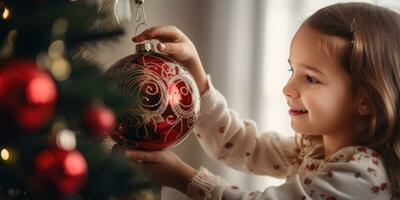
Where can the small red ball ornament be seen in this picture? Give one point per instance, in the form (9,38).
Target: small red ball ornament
(64,171)
(100,120)
(27,94)
(167,100)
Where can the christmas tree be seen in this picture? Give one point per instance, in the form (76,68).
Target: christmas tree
(57,105)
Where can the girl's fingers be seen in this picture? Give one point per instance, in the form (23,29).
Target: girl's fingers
(142,156)
(117,147)
(174,49)
(161,33)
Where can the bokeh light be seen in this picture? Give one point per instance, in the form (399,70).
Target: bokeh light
(74,164)
(41,90)
(6,13)
(5,154)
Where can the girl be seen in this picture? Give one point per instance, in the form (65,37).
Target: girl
(344,106)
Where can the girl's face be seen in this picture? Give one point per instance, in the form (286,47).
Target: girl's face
(319,92)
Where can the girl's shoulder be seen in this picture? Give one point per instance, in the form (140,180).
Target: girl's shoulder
(356,160)
(348,167)
(355,154)
(359,162)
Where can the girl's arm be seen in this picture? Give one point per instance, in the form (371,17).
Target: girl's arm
(354,176)
(351,174)
(234,141)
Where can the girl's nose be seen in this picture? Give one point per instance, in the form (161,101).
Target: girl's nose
(289,91)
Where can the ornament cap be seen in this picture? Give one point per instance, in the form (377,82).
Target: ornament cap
(146,47)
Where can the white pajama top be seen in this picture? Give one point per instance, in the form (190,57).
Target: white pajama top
(353,172)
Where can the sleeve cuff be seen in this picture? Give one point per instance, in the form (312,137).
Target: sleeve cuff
(209,98)
(107,144)
(206,185)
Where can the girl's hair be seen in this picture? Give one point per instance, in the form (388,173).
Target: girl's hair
(369,51)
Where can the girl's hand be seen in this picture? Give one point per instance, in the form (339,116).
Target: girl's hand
(178,45)
(164,167)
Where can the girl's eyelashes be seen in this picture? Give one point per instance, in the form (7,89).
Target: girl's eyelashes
(309,78)
(312,80)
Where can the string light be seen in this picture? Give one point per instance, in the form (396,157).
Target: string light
(60,27)
(58,65)
(61,69)
(6,13)
(5,155)
(66,140)
(56,49)
(43,60)
(7,49)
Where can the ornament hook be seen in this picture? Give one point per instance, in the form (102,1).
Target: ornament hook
(140,16)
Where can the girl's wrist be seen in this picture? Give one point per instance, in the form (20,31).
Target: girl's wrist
(203,85)
(196,69)
(187,176)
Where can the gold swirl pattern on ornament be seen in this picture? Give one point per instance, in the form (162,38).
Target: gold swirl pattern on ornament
(173,77)
(181,109)
(135,118)
(149,86)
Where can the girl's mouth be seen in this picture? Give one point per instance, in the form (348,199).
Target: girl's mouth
(297,112)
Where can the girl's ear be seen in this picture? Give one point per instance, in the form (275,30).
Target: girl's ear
(363,108)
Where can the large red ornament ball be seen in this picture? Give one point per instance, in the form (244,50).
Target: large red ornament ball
(99,120)
(59,172)
(27,95)
(167,100)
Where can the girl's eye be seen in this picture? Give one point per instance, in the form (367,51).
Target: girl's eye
(312,79)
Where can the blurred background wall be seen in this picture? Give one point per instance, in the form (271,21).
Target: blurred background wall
(244,46)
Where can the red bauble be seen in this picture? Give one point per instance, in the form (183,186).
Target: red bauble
(59,172)
(168,101)
(99,120)
(27,94)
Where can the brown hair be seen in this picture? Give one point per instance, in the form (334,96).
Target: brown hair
(372,59)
